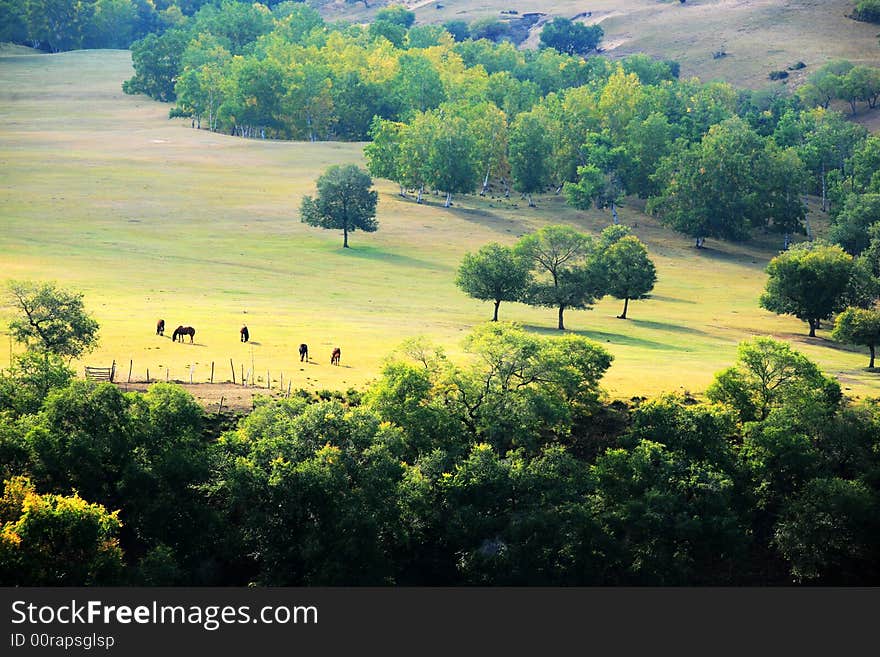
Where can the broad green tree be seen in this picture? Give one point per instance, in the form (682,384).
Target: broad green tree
(858,326)
(51,320)
(571,38)
(811,281)
(769,374)
(345,201)
(494,273)
(628,271)
(565,278)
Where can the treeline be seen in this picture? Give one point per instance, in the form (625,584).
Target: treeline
(460,116)
(510,469)
(57,25)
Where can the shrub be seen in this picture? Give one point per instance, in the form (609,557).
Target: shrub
(867,11)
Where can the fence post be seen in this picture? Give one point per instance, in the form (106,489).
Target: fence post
(233,371)
(130,365)
(268,381)
(212,371)
(148,375)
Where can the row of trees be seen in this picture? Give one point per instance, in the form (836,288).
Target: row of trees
(507,469)
(57,25)
(842,80)
(560,268)
(474,115)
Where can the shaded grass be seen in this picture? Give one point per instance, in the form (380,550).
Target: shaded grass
(150,219)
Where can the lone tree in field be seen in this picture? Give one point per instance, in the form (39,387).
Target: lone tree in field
(344,201)
(494,273)
(571,38)
(567,280)
(858,326)
(813,281)
(51,320)
(628,271)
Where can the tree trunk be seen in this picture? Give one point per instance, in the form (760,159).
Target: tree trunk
(419,197)
(402,192)
(614,218)
(561,326)
(486,181)
(871,364)
(498,303)
(824,190)
(812,327)
(625,306)
(699,242)
(448,200)
(345,237)
(531,204)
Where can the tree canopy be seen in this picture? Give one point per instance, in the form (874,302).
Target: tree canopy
(345,201)
(51,320)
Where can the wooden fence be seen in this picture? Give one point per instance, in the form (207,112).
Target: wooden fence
(101,373)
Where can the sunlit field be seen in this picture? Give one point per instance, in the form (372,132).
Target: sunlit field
(151,219)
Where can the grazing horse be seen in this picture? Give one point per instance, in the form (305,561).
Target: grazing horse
(245,336)
(160,327)
(335,356)
(304,352)
(180,331)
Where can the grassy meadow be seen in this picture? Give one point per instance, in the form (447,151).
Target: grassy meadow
(758,36)
(150,218)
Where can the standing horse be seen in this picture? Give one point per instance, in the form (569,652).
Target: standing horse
(160,327)
(335,356)
(245,335)
(304,352)
(180,331)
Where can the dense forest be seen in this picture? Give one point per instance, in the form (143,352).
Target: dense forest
(458,114)
(509,468)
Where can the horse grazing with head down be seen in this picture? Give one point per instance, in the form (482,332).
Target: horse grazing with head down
(304,352)
(180,331)
(160,327)
(335,356)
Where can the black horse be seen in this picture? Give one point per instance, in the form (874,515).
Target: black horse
(304,352)
(180,331)
(245,335)
(160,327)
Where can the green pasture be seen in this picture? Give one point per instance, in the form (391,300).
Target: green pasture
(150,218)
(758,36)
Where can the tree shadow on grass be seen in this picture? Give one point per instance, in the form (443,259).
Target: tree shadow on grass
(665,299)
(665,326)
(604,337)
(374,253)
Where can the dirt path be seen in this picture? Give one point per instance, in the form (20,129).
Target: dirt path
(235,397)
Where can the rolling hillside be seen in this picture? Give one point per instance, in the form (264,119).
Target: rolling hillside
(150,218)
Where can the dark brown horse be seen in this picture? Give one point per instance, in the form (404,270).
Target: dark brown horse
(335,356)
(160,327)
(304,352)
(245,335)
(180,331)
